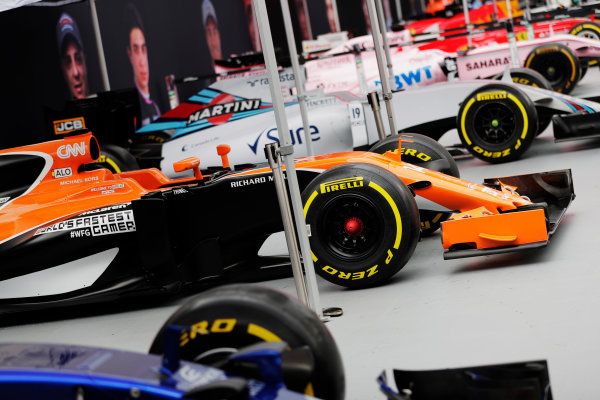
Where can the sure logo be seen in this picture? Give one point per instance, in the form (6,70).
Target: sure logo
(68,125)
(68,150)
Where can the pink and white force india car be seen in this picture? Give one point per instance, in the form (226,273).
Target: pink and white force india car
(559,58)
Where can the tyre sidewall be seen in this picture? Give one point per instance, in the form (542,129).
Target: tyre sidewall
(417,149)
(235,316)
(586,28)
(395,224)
(523,110)
(562,57)
(116,159)
(529,77)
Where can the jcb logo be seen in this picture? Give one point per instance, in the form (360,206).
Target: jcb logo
(68,125)
(73,150)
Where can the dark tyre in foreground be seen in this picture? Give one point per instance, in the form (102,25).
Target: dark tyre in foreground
(222,320)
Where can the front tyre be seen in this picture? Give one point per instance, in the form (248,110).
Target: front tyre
(364,224)
(222,320)
(558,64)
(425,152)
(497,123)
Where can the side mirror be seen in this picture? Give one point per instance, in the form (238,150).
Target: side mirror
(189,163)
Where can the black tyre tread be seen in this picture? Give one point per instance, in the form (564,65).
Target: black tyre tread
(277,312)
(327,262)
(117,159)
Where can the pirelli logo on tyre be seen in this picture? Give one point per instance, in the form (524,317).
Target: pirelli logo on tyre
(341,184)
(549,49)
(493,95)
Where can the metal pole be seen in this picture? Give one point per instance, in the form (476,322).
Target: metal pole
(495,15)
(307,16)
(398,11)
(467,23)
(512,41)
(289,33)
(256,35)
(386,46)
(336,15)
(360,72)
(103,70)
(287,150)
(528,26)
(373,99)
(272,154)
(387,94)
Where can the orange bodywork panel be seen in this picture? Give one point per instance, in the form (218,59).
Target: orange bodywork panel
(486,231)
(480,222)
(51,198)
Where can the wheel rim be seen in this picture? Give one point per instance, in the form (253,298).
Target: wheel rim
(551,70)
(589,35)
(351,227)
(494,123)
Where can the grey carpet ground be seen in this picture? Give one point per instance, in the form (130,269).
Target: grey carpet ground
(539,304)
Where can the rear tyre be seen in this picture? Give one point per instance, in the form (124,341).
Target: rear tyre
(497,123)
(230,317)
(116,159)
(590,30)
(427,153)
(558,64)
(364,224)
(530,77)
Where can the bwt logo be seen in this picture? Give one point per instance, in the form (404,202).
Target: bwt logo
(68,125)
(411,78)
(68,150)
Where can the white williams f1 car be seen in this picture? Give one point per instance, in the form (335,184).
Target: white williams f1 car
(497,121)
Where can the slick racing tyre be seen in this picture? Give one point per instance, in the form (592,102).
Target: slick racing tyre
(530,77)
(589,29)
(427,153)
(222,320)
(364,224)
(116,159)
(558,64)
(497,122)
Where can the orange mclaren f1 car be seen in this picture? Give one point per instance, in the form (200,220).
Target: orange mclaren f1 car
(72,232)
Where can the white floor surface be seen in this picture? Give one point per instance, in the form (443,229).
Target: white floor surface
(538,304)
